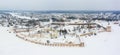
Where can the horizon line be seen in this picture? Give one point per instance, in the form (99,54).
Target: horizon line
(52,10)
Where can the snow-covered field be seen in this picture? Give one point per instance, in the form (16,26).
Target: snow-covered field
(106,43)
(22,17)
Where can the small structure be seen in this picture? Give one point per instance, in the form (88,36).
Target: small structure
(108,28)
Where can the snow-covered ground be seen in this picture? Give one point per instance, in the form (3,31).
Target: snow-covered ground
(22,17)
(106,43)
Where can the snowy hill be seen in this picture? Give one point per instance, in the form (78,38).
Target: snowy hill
(106,43)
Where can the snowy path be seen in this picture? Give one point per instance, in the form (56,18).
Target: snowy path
(102,44)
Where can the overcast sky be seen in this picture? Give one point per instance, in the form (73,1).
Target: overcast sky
(60,4)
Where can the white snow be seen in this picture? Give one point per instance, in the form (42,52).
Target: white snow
(106,43)
(22,17)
